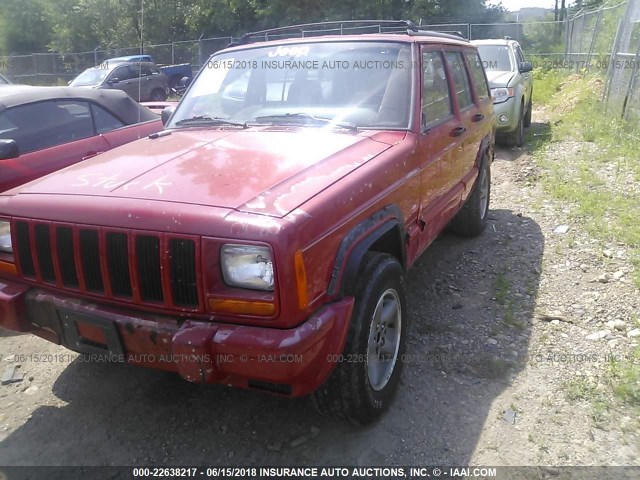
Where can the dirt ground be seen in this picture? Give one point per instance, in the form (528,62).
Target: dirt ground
(508,332)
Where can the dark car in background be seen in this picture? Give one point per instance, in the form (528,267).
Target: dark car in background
(142,81)
(44,129)
(174,73)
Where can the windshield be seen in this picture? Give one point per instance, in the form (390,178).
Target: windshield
(355,84)
(495,57)
(92,76)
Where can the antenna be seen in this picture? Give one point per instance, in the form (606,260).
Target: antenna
(141,53)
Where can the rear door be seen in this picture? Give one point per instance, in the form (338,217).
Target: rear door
(469,113)
(485,121)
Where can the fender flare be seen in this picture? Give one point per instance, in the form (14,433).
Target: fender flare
(358,241)
(486,146)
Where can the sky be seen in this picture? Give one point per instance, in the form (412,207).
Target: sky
(513,5)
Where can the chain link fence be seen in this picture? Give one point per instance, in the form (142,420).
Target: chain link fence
(622,87)
(604,40)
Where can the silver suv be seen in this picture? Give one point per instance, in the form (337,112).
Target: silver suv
(511,83)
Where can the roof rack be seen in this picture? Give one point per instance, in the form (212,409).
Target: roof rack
(451,35)
(344,27)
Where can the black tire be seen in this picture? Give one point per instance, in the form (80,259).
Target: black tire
(527,117)
(516,138)
(158,95)
(175,80)
(471,220)
(349,393)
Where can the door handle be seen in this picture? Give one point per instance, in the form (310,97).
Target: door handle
(90,154)
(456,132)
(477,118)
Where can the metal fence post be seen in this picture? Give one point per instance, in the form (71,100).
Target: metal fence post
(593,38)
(606,91)
(632,85)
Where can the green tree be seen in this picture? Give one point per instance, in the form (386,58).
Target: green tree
(25,26)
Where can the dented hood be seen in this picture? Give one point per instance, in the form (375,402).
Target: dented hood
(266,170)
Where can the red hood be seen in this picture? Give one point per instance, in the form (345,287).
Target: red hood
(260,170)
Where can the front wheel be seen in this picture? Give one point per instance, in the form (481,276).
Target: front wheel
(527,117)
(516,138)
(365,380)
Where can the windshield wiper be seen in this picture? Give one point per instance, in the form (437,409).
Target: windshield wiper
(207,120)
(304,117)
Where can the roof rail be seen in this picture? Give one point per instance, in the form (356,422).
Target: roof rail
(344,27)
(452,35)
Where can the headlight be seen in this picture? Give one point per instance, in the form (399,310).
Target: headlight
(501,95)
(5,237)
(247,266)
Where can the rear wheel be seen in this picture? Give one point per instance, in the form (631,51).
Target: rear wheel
(158,95)
(364,382)
(471,220)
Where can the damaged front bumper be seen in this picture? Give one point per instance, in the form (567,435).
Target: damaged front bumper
(292,362)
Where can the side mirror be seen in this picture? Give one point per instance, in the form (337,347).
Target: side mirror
(8,149)
(113,81)
(69,82)
(526,67)
(185,81)
(165,115)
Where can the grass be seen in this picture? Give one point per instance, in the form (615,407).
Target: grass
(600,183)
(502,288)
(627,379)
(607,208)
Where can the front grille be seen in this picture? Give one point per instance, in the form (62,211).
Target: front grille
(118,262)
(68,272)
(90,258)
(130,266)
(183,274)
(150,268)
(43,249)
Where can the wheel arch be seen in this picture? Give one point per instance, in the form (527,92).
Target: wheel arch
(381,232)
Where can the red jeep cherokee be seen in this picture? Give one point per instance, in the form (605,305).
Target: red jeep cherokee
(262,239)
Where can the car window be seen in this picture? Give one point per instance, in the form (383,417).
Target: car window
(460,79)
(495,57)
(124,73)
(520,55)
(477,75)
(145,71)
(367,84)
(436,102)
(46,124)
(103,120)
